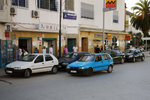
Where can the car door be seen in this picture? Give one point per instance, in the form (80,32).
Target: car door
(106,61)
(38,64)
(49,62)
(98,65)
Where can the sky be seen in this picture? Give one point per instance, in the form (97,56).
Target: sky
(130,4)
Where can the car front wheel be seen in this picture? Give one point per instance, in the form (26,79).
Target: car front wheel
(27,73)
(110,69)
(54,70)
(89,72)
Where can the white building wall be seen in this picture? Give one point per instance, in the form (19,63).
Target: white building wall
(97,22)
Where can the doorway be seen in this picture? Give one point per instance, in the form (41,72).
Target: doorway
(47,42)
(85,44)
(26,43)
(71,42)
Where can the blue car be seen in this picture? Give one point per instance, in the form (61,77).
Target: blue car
(88,64)
(70,58)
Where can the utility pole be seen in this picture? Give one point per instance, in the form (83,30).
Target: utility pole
(60,28)
(103,24)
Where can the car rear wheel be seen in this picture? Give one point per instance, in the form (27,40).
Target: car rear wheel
(110,69)
(89,72)
(133,60)
(142,58)
(54,70)
(122,61)
(27,73)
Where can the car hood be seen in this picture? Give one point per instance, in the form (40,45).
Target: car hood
(80,64)
(66,60)
(18,64)
(128,54)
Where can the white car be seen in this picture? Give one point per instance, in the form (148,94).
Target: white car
(33,63)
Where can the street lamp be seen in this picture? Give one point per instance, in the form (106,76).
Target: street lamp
(60,28)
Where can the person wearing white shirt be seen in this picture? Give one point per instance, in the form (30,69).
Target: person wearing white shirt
(44,50)
(75,49)
(51,50)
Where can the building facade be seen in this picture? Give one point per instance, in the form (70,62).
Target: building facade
(31,24)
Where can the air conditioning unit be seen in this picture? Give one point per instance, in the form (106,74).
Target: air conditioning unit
(13,11)
(35,14)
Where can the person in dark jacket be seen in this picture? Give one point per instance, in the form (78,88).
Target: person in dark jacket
(97,49)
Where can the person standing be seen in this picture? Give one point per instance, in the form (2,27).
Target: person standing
(44,50)
(51,50)
(75,49)
(20,53)
(65,49)
(24,52)
(36,50)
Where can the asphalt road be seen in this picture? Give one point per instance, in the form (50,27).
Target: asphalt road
(129,81)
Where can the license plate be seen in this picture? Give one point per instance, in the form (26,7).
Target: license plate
(9,71)
(73,71)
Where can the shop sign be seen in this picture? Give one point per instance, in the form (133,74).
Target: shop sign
(111,3)
(128,36)
(108,36)
(98,35)
(51,27)
(6,34)
(68,15)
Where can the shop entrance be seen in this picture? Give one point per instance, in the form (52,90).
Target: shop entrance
(47,42)
(71,42)
(85,44)
(26,43)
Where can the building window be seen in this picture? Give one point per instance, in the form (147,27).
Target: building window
(1,4)
(47,4)
(115,17)
(20,3)
(69,5)
(87,11)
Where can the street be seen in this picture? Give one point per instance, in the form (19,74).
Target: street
(129,81)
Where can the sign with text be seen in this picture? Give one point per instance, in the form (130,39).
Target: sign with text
(68,15)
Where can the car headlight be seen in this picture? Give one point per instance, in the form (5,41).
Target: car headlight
(17,68)
(81,67)
(68,67)
(65,63)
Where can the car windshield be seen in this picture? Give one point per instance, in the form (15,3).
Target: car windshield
(28,58)
(68,55)
(116,52)
(73,55)
(130,51)
(87,58)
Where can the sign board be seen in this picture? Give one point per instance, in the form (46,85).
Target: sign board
(108,36)
(68,15)
(110,5)
(128,36)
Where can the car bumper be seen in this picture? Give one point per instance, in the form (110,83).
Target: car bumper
(12,71)
(76,71)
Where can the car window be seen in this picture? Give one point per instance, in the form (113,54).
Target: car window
(104,57)
(39,59)
(87,58)
(98,58)
(48,58)
(28,58)
(108,57)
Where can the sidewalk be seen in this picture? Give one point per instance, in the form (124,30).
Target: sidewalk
(147,53)
(2,72)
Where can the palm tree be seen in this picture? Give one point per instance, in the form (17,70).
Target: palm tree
(140,19)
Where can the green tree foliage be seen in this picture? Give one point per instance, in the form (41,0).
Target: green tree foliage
(140,19)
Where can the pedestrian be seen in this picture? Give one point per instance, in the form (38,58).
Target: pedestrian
(44,50)
(36,50)
(20,53)
(75,48)
(51,50)
(65,50)
(24,52)
(97,49)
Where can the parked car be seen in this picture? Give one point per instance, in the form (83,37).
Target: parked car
(70,58)
(117,55)
(33,63)
(88,64)
(134,54)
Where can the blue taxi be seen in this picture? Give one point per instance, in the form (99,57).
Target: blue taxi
(88,64)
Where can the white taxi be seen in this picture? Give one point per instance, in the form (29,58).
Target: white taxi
(33,63)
